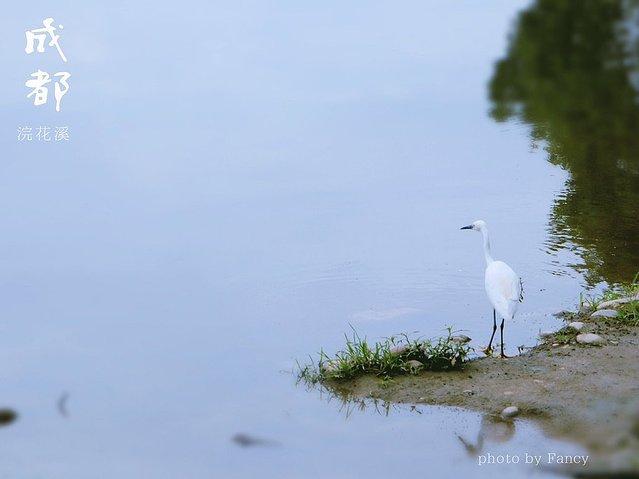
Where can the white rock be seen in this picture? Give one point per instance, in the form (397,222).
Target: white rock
(509,412)
(576,325)
(605,313)
(399,349)
(589,338)
(413,365)
(614,303)
(461,339)
(546,334)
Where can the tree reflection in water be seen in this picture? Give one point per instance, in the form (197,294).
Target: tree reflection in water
(571,73)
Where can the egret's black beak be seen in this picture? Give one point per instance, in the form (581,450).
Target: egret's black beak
(469,227)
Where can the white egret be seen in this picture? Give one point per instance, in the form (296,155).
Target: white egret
(503,287)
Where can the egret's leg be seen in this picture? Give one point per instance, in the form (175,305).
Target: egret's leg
(501,328)
(489,349)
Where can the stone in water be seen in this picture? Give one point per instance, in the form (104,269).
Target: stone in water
(510,412)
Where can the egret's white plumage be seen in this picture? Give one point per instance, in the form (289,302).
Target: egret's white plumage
(503,286)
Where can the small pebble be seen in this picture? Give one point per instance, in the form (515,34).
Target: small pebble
(399,349)
(461,339)
(605,313)
(413,365)
(510,412)
(589,338)
(576,325)
(554,345)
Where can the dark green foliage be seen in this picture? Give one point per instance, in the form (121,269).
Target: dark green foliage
(570,74)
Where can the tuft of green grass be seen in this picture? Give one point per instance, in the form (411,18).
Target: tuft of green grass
(620,291)
(565,335)
(629,314)
(308,373)
(387,358)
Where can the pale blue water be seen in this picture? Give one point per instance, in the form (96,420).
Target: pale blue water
(243,181)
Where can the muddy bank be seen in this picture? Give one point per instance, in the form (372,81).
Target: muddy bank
(588,394)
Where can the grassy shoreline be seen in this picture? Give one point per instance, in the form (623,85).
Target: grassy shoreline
(400,354)
(393,356)
(561,383)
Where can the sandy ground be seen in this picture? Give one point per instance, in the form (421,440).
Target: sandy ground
(588,394)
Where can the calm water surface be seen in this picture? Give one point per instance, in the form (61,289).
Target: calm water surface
(246,179)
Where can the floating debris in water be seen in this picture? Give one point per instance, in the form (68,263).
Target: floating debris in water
(62,404)
(7,416)
(246,440)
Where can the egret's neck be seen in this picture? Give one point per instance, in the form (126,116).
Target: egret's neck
(487,255)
